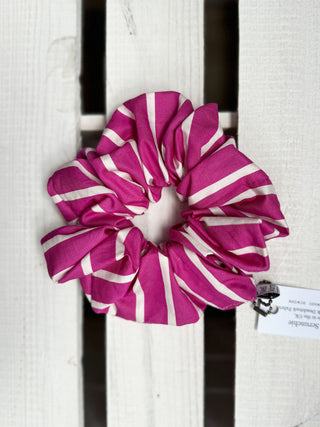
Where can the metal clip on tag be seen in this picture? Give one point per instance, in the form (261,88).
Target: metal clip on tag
(266,290)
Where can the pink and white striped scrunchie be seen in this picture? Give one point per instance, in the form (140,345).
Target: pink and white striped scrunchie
(154,141)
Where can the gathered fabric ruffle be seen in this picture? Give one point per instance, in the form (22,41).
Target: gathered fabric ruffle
(153,141)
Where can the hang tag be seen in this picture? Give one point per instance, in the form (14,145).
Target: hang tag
(266,291)
(298,314)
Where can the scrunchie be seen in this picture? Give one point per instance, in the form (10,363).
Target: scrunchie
(153,141)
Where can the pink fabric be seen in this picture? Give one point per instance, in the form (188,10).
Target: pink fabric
(153,141)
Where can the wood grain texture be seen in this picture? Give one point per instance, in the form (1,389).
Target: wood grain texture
(277,378)
(40,361)
(96,122)
(154,372)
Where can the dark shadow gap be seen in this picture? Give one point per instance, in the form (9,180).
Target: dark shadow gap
(93,56)
(94,354)
(219,367)
(221,39)
(93,102)
(221,87)
(94,374)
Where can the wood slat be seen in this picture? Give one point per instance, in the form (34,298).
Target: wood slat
(154,373)
(40,362)
(277,378)
(97,122)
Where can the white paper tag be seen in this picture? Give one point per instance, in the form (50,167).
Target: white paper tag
(298,315)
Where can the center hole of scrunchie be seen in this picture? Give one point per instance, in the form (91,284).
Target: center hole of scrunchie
(161,216)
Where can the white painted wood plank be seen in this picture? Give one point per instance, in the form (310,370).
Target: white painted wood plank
(228,119)
(154,372)
(96,122)
(40,362)
(277,378)
(93,122)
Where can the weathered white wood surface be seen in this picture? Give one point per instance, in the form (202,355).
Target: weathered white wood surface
(40,360)
(96,122)
(154,372)
(277,378)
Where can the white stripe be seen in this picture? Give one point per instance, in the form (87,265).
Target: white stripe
(280,222)
(98,209)
(56,277)
(137,289)
(150,196)
(252,192)
(178,167)
(147,175)
(220,287)
(108,163)
(222,183)
(205,249)
(247,272)
(185,287)
(136,209)
(96,304)
(101,305)
(181,197)
(80,194)
(182,100)
(86,264)
(126,215)
(229,141)
(186,127)
(198,243)
(198,309)
(216,211)
(114,137)
(212,140)
(77,164)
(121,237)
(114,277)
(151,111)
(111,167)
(126,112)
(88,150)
(217,221)
(163,151)
(59,238)
(164,267)
(271,235)
(250,250)
(112,310)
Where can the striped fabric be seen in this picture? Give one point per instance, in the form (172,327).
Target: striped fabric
(154,141)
